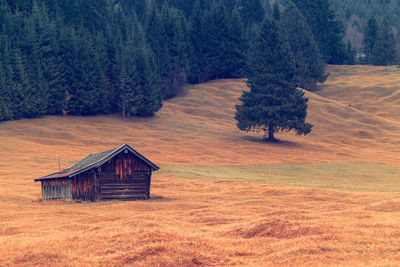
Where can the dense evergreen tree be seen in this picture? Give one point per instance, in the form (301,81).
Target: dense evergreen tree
(273,103)
(385,50)
(226,44)
(126,93)
(327,30)
(198,37)
(148,98)
(369,39)
(251,11)
(234,49)
(139,93)
(23,97)
(42,54)
(218,43)
(276,13)
(87,89)
(309,67)
(168,39)
(351,54)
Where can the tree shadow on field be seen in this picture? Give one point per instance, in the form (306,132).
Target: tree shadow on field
(278,142)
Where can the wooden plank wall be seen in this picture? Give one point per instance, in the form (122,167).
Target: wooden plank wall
(59,189)
(125,164)
(85,187)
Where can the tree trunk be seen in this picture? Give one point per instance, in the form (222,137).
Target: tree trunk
(271,138)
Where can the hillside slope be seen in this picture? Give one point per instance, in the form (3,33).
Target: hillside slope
(356,117)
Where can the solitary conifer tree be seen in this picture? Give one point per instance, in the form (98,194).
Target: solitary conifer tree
(273,103)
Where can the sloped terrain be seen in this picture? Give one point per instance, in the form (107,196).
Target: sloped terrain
(356,117)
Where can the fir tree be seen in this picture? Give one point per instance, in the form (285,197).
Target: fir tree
(351,54)
(276,13)
(139,93)
(235,48)
(198,40)
(219,44)
(43,58)
(126,93)
(251,12)
(149,97)
(169,40)
(309,67)
(87,86)
(327,30)
(369,38)
(273,103)
(384,51)
(22,96)
(5,74)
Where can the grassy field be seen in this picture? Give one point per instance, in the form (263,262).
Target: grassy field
(222,197)
(345,176)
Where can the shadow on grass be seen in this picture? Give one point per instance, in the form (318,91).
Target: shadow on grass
(278,142)
(156,198)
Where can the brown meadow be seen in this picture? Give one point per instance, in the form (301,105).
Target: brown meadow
(202,212)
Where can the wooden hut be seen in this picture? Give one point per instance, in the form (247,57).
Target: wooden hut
(121,173)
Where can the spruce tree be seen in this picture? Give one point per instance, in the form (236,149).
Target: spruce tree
(235,47)
(309,67)
(168,39)
(251,11)
(6,112)
(199,37)
(23,97)
(149,99)
(43,60)
(384,51)
(276,13)
(87,86)
(369,38)
(139,92)
(219,44)
(351,53)
(126,93)
(273,103)
(327,30)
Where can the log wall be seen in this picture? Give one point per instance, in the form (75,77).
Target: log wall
(132,187)
(124,177)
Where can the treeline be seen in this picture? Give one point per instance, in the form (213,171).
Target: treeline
(106,56)
(356,13)
(77,57)
(367,22)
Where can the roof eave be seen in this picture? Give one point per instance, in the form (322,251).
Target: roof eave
(51,178)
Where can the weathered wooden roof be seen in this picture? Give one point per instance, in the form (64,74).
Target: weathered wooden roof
(95,160)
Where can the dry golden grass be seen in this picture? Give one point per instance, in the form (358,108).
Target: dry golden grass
(219,222)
